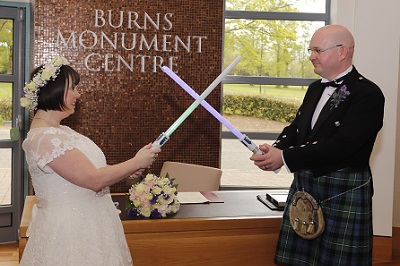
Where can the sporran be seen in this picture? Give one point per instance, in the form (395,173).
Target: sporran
(306,217)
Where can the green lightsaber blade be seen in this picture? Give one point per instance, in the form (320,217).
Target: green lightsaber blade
(165,135)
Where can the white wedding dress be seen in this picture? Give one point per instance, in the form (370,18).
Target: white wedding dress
(71,225)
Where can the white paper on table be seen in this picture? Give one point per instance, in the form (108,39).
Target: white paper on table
(191,197)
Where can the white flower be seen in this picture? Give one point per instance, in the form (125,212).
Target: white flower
(162,182)
(170,190)
(156,190)
(30,92)
(140,187)
(136,203)
(149,177)
(25,102)
(146,212)
(38,80)
(59,61)
(31,86)
(175,208)
(149,196)
(49,72)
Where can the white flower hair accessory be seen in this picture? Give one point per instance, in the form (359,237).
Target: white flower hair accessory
(31,91)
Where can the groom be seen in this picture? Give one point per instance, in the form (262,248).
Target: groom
(328,147)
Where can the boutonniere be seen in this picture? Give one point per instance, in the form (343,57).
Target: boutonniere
(339,96)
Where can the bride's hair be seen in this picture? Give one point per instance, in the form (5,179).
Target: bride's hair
(51,96)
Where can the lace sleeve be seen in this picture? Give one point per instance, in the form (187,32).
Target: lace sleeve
(44,146)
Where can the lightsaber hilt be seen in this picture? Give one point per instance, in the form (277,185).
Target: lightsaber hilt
(253,148)
(250,145)
(160,141)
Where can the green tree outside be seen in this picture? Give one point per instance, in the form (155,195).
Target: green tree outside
(275,48)
(6,46)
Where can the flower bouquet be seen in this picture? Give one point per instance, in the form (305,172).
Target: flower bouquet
(153,197)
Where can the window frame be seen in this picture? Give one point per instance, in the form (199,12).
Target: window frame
(265,80)
(19,13)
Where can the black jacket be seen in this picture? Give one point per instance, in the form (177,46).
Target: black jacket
(343,136)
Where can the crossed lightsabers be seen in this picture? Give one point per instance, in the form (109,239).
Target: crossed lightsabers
(164,137)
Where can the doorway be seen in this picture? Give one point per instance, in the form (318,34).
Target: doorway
(12,62)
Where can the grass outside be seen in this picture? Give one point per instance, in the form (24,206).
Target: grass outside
(285,93)
(5,90)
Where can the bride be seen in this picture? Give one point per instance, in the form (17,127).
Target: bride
(74,221)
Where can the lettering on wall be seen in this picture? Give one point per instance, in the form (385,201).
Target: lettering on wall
(146,39)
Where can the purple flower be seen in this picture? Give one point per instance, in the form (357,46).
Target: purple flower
(155,214)
(339,96)
(133,212)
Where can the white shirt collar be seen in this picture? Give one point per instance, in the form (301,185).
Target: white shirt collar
(324,80)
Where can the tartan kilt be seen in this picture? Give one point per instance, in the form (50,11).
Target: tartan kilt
(348,235)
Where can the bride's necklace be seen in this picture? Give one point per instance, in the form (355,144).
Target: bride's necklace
(47,121)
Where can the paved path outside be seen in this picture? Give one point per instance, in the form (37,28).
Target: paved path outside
(238,170)
(5,169)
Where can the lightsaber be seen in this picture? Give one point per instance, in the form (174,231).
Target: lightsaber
(242,137)
(164,137)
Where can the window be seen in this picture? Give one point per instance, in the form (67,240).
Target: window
(264,91)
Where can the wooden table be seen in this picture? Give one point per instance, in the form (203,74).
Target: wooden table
(240,231)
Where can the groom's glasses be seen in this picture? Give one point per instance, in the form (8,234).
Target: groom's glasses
(319,51)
